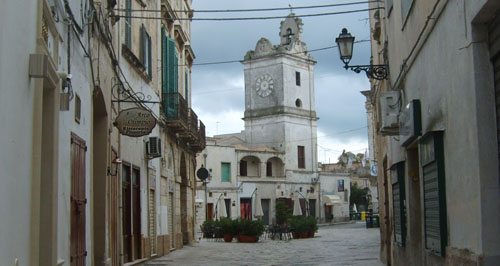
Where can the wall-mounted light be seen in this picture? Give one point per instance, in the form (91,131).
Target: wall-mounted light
(66,95)
(345,43)
(113,170)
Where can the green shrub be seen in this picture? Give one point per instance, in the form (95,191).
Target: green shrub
(249,227)
(225,225)
(301,224)
(283,212)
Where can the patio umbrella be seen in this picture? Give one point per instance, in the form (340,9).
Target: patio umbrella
(258,206)
(354,208)
(297,211)
(222,208)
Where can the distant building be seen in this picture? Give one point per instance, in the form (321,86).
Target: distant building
(276,154)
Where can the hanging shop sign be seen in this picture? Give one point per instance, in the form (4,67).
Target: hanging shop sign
(135,122)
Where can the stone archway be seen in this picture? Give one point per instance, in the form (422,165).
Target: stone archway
(184,199)
(99,169)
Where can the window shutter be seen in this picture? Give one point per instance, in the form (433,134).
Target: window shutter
(243,168)
(398,201)
(301,157)
(269,169)
(176,72)
(143,45)
(186,85)
(128,23)
(164,43)
(171,66)
(225,172)
(432,161)
(150,62)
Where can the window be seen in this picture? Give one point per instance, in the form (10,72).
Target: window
(399,202)
(301,157)
(78,108)
(225,172)
(146,51)
(432,161)
(269,169)
(128,23)
(186,84)
(405,8)
(298,103)
(169,65)
(297,78)
(243,168)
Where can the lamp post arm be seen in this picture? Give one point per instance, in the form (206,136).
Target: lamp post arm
(307,202)
(378,72)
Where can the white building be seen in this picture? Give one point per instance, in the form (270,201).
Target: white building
(276,154)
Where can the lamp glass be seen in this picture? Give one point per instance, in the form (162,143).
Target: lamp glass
(345,43)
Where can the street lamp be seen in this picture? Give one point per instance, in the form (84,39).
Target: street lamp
(345,43)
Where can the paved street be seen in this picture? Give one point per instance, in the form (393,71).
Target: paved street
(348,244)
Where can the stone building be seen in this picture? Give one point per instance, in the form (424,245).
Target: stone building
(276,154)
(79,191)
(435,127)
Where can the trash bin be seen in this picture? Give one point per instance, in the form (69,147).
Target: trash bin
(369,220)
(363,216)
(376,222)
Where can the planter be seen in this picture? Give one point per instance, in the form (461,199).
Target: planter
(304,234)
(311,233)
(228,238)
(295,235)
(247,239)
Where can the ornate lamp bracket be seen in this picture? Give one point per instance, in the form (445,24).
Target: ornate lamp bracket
(378,72)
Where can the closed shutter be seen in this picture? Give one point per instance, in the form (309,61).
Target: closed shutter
(78,202)
(144,44)
(494,42)
(171,218)
(128,23)
(176,72)
(171,65)
(398,199)
(432,161)
(164,53)
(152,221)
(225,172)
(186,84)
(243,168)
(150,62)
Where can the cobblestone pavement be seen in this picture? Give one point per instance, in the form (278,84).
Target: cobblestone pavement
(349,244)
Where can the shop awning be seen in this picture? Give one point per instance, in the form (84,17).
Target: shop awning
(331,200)
(198,200)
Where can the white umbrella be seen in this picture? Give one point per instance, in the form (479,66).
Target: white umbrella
(297,211)
(222,208)
(258,206)
(354,208)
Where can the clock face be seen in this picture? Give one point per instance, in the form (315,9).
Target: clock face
(264,85)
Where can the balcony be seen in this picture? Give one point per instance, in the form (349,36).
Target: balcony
(176,112)
(200,144)
(191,134)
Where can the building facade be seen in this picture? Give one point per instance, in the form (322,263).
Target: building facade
(276,154)
(434,122)
(93,192)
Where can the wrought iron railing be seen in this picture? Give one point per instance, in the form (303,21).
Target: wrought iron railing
(193,122)
(202,135)
(175,107)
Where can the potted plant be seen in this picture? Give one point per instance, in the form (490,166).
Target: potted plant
(226,229)
(249,231)
(312,225)
(207,228)
(298,226)
(283,212)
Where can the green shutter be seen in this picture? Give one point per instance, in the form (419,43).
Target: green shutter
(150,62)
(398,200)
(128,23)
(176,72)
(434,193)
(186,85)
(171,65)
(225,172)
(143,45)
(164,43)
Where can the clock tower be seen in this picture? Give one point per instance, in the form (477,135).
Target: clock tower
(279,97)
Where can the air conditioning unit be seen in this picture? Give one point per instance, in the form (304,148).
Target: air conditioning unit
(410,123)
(153,147)
(389,107)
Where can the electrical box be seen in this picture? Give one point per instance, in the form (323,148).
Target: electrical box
(410,123)
(390,104)
(153,147)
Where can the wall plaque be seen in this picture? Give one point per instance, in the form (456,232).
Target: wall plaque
(135,122)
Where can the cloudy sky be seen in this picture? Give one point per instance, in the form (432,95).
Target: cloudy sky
(218,90)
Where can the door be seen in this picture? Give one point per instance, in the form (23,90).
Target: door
(312,207)
(228,207)
(171,218)
(210,212)
(494,43)
(265,209)
(136,212)
(126,213)
(78,201)
(328,213)
(246,208)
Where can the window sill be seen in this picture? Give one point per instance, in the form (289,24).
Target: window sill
(134,61)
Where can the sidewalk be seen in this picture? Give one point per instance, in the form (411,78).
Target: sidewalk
(337,223)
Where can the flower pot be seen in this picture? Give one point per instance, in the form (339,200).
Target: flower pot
(247,239)
(311,233)
(228,238)
(295,235)
(304,235)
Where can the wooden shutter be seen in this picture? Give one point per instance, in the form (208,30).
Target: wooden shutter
(176,72)
(398,199)
(128,23)
(186,85)
(143,45)
(494,42)
(136,212)
(432,161)
(243,168)
(78,202)
(164,66)
(225,172)
(301,157)
(172,64)
(297,78)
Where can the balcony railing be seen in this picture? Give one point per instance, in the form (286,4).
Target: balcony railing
(175,109)
(193,122)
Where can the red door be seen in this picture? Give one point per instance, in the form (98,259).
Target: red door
(78,201)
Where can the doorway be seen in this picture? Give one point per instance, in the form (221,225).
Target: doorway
(265,208)
(78,250)
(184,199)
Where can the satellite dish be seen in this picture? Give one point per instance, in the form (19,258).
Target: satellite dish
(202,173)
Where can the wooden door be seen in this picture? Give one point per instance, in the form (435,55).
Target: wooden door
(246,208)
(78,202)
(210,212)
(494,43)
(265,209)
(136,212)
